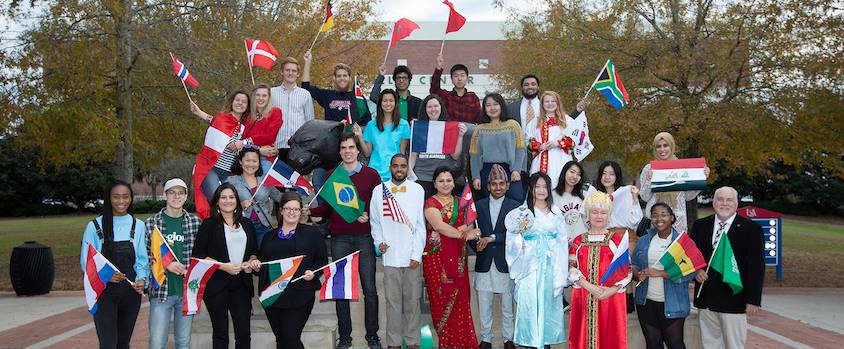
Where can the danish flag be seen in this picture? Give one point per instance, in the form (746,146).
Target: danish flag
(260,53)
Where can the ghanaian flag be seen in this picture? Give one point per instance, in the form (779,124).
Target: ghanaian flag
(340,192)
(329,18)
(682,257)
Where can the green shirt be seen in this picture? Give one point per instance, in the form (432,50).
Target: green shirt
(403,107)
(176,239)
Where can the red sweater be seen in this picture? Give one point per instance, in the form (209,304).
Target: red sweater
(365,181)
(264,131)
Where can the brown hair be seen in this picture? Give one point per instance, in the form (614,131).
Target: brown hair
(227,108)
(341,66)
(289,60)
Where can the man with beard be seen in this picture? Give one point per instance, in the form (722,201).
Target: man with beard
(398,232)
(408,104)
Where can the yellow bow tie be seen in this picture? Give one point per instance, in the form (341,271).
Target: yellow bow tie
(401,189)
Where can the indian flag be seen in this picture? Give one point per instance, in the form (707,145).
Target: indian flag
(280,271)
(682,257)
(678,175)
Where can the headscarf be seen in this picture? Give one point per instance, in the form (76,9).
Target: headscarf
(669,197)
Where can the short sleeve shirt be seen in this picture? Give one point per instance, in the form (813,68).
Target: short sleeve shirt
(385,144)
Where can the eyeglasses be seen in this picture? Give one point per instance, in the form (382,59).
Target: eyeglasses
(290,209)
(401,78)
(176,193)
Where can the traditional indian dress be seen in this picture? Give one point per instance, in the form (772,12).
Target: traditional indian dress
(536,249)
(598,323)
(550,161)
(446,271)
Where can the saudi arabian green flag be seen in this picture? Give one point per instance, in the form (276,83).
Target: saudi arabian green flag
(341,194)
(724,261)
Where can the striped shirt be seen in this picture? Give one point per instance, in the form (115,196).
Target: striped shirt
(296,106)
(228,156)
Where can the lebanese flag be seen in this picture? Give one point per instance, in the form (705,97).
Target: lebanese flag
(260,54)
(438,137)
(455,20)
(216,138)
(181,70)
(199,272)
(98,271)
(468,202)
(402,29)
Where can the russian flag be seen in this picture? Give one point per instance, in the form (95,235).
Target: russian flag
(282,175)
(98,270)
(182,72)
(341,279)
(621,259)
(438,137)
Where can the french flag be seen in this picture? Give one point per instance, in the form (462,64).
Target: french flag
(98,270)
(181,71)
(341,279)
(620,259)
(282,175)
(438,137)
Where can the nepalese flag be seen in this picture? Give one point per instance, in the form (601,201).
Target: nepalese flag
(260,54)
(678,175)
(341,279)
(329,18)
(280,271)
(216,138)
(161,256)
(282,175)
(181,70)
(98,270)
(682,257)
(467,202)
(438,137)
(619,267)
(609,84)
(579,132)
(392,209)
(199,272)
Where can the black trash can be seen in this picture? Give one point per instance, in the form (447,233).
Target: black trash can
(32,269)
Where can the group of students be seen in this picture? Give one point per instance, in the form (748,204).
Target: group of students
(539,229)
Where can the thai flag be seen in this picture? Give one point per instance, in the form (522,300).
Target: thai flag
(181,71)
(439,137)
(260,54)
(620,259)
(98,270)
(199,272)
(341,279)
(282,175)
(467,202)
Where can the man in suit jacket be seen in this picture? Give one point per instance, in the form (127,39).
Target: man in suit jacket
(490,280)
(723,315)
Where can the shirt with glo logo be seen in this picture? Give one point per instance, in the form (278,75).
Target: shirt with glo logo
(175,237)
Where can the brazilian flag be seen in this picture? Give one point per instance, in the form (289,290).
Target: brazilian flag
(341,194)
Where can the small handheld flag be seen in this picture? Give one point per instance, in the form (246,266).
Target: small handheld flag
(402,29)
(199,272)
(617,270)
(438,137)
(467,202)
(339,191)
(360,102)
(162,255)
(455,20)
(392,209)
(329,18)
(678,175)
(260,54)
(182,72)
(609,84)
(724,261)
(280,272)
(682,257)
(282,175)
(98,271)
(341,279)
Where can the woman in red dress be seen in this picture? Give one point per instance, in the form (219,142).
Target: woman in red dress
(598,309)
(445,266)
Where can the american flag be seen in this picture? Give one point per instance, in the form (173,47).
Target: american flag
(392,209)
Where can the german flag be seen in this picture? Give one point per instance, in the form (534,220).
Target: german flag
(329,18)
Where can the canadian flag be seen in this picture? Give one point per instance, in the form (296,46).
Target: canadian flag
(260,54)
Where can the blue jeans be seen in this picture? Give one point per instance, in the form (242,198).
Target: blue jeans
(260,231)
(318,180)
(160,314)
(342,245)
(212,181)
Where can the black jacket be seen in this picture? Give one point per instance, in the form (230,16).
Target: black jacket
(746,239)
(211,242)
(413,103)
(494,251)
(306,242)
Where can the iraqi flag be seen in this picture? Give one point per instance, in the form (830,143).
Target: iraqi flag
(282,175)
(467,202)
(341,279)
(161,255)
(199,272)
(280,271)
(217,137)
(181,70)
(620,265)
(438,137)
(678,175)
(260,54)
(98,270)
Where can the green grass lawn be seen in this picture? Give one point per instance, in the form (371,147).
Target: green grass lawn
(813,252)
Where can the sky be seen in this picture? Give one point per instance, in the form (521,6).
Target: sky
(435,10)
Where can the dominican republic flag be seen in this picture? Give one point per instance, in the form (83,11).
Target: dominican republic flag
(98,270)
(282,175)
(199,272)
(617,270)
(391,208)
(260,54)
(678,175)
(181,70)
(609,84)
(579,132)
(161,256)
(280,271)
(216,138)
(341,279)
(467,202)
(439,137)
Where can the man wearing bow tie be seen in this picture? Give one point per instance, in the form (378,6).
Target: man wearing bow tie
(398,231)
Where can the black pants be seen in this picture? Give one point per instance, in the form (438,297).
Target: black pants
(117,310)
(342,245)
(235,299)
(658,329)
(287,324)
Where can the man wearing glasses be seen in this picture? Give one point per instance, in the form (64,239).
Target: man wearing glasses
(408,104)
(179,229)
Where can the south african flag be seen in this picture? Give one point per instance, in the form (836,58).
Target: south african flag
(609,84)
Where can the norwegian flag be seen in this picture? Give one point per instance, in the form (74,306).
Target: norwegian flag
(260,54)
(467,202)
(181,70)
(392,209)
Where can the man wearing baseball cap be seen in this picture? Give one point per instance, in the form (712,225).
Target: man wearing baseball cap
(179,229)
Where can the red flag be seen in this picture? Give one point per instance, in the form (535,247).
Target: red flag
(261,54)
(182,72)
(467,202)
(402,29)
(455,20)
(216,138)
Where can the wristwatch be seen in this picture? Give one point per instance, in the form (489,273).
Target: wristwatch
(492,236)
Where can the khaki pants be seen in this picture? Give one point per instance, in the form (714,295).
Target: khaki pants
(403,290)
(722,330)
